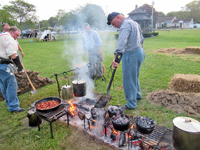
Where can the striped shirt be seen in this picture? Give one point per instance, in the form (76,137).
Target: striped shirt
(130,36)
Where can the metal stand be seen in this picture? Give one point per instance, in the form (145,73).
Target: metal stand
(52,119)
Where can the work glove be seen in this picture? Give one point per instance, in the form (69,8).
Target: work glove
(18,64)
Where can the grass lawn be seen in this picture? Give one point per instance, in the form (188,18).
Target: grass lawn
(62,54)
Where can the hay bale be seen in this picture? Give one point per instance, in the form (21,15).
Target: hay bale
(194,50)
(185,83)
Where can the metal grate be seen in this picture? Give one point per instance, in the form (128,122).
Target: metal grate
(154,138)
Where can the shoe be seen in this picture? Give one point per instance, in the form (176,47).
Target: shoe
(127,108)
(140,98)
(19,110)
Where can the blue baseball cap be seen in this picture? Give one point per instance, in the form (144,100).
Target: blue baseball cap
(111,17)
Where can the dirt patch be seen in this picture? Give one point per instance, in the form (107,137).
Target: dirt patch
(179,102)
(187,50)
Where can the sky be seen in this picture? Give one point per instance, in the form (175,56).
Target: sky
(46,8)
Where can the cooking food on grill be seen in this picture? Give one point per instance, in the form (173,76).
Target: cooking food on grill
(47,105)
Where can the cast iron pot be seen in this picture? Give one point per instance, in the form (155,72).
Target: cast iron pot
(100,113)
(121,127)
(46,100)
(142,129)
(186,133)
(113,113)
(79,88)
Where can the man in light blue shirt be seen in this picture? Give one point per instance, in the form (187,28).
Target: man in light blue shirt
(130,44)
(92,43)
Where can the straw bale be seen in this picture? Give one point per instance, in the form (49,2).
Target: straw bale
(185,83)
(195,50)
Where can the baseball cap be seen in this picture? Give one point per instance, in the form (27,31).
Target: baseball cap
(111,16)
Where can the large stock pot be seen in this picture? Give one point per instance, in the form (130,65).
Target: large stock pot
(186,133)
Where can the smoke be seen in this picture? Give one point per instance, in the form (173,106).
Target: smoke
(75,60)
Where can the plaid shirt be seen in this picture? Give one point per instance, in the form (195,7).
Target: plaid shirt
(130,36)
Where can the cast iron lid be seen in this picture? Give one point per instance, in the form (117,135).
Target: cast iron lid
(187,124)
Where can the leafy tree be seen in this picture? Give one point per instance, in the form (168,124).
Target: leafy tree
(22,11)
(94,15)
(179,14)
(44,24)
(194,9)
(161,14)
(6,17)
(53,21)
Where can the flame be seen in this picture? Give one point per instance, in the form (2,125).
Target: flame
(72,108)
(131,126)
(92,126)
(114,131)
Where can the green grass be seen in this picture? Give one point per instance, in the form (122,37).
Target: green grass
(61,55)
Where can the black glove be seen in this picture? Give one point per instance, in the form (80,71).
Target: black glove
(18,64)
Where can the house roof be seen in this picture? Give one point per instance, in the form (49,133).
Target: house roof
(163,19)
(139,17)
(184,20)
(136,11)
(138,14)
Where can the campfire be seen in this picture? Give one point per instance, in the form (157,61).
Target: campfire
(72,108)
(109,125)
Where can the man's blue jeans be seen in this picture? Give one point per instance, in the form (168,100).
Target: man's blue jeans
(8,85)
(131,62)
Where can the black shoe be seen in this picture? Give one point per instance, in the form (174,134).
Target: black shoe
(127,108)
(140,98)
(18,110)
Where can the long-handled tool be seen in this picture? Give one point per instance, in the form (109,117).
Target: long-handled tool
(108,97)
(33,88)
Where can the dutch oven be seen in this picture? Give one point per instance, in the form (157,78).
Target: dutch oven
(186,133)
(145,124)
(113,110)
(46,100)
(79,88)
(121,126)
(98,113)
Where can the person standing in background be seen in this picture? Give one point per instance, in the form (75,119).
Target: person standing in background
(130,44)
(93,44)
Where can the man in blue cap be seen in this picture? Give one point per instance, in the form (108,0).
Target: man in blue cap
(130,44)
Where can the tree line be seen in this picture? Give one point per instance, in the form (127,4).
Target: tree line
(22,14)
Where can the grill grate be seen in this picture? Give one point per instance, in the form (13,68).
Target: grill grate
(154,138)
(53,113)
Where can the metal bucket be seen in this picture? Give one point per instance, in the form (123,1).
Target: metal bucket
(67,92)
(79,88)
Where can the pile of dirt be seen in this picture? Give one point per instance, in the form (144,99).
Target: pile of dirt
(179,102)
(187,50)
